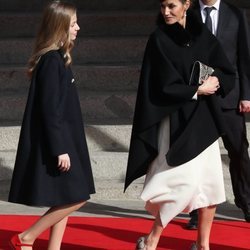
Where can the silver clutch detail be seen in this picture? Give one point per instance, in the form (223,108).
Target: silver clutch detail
(199,73)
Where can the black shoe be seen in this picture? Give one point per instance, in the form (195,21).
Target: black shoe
(192,224)
(247,216)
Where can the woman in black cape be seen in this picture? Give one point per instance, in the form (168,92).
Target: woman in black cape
(52,165)
(177,123)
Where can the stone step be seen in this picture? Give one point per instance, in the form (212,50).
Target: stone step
(109,169)
(111,185)
(105,165)
(105,190)
(87,5)
(34,5)
(7,160)
(114,190)
(96,107)
(116,23)
(100,138)
(119,23)
(87,50)
(88,77)
(110,138)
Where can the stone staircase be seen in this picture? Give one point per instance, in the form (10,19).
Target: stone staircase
(107,58)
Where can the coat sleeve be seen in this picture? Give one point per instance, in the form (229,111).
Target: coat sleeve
(162,90)
(222,68)
(244,57)
(52,100)
(168,82)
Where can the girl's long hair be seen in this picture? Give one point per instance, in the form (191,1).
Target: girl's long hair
(53,33)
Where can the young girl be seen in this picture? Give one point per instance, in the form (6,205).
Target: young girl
(52,165)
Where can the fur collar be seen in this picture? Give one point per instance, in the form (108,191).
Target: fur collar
(183,36)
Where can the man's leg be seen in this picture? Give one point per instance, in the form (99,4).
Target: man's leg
(193,222)
(236,144)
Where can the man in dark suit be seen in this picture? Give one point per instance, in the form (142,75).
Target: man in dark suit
(229,24)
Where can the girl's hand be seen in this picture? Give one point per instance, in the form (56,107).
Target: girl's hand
(64,162)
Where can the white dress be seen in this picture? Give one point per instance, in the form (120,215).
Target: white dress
(194,184)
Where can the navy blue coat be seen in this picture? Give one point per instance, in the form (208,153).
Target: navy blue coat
(52,125)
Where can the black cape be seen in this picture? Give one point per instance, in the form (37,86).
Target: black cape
(164,91)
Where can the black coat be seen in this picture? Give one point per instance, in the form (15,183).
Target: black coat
(52,125)
(164,91)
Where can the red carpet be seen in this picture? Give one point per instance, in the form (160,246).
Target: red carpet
(121,233)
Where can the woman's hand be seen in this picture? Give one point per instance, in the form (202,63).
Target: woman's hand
(64,162)
(244,106)
(209,86)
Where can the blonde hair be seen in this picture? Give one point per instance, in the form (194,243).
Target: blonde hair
(53,33)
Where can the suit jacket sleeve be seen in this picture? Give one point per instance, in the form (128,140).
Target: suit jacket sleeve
(244,57)
(223,69)
(52,91)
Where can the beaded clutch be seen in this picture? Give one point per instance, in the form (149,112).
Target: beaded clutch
(199,73)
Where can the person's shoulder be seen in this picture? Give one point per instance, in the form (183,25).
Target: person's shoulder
(234,9)
(52,58)
(155,38)
(195,5)
(155,33)
(51,54)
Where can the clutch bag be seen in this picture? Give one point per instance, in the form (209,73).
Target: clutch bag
(199,73)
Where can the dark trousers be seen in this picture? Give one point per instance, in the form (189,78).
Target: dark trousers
(236,144)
